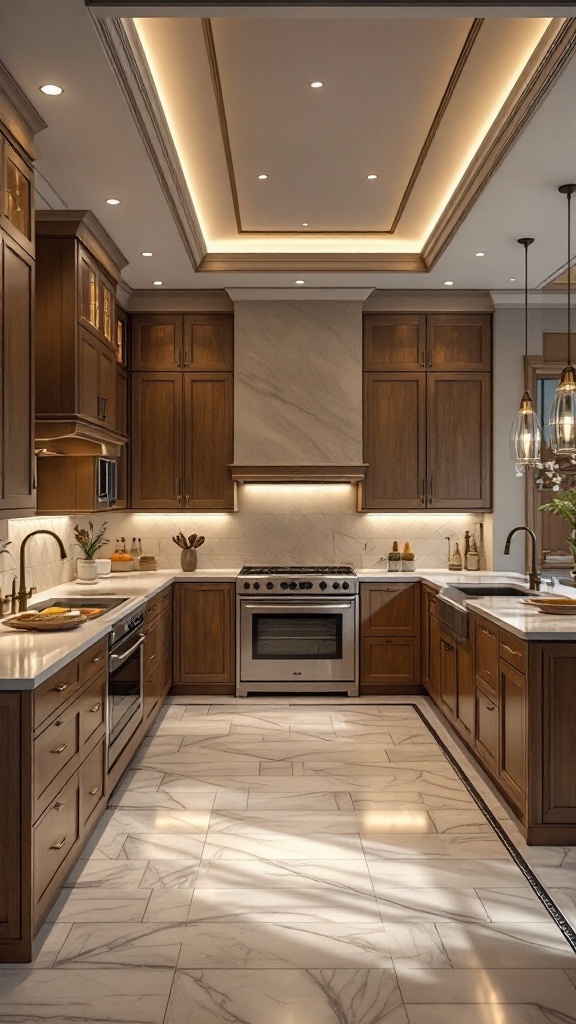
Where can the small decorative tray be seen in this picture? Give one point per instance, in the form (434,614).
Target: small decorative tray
(45,623)
(551,605)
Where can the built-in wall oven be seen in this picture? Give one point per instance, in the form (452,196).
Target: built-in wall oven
(297,630)
(125,683)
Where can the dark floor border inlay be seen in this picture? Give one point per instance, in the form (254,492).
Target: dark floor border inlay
(543,895)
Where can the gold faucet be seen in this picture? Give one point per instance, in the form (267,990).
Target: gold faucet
(24,594)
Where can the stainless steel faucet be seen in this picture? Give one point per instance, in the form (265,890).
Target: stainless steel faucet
(24,594)
(533,576)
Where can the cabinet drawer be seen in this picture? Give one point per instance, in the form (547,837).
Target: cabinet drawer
(166,601)
(54,748)
(390,609)
(55,692)
(92,706)
(486,662)
(487,729)
(152,610)
(393,660)
(55,835)
(512,650)
(92,775)
(93,660)
(151,646)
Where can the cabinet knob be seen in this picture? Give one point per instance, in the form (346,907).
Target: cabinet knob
(59,805)
(58,846)
(95,790)
(99,657)
(58,750)
(61,688)
(95,708)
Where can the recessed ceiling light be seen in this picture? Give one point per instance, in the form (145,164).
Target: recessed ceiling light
(371,177)
(480,253)
(146,253)
(512,278)
(448,283)
(262,177)
(51,90)
(299,282)
(316,85)
(157,283)
(305,224)
(113,202)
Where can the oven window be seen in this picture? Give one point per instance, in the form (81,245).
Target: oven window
(124,695)
(296,637)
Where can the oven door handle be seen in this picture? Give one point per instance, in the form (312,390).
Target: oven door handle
(298,604)
(126,654)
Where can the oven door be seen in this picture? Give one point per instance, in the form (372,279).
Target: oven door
(125,693)
(300,640)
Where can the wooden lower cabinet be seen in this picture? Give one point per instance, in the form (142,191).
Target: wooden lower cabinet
(390,638)
(448,673)
(464,711)
(15,775)
(204,644)
(486,734)
(513,726)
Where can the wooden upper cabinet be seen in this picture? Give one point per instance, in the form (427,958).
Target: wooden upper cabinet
(95,298)
(121,400)
(208,341)
(157,341)
(17,199)
(394,341)
(459,430)
(394,440)
(156,438)
(459,342)
(96,380)
(17,486)
(208,440)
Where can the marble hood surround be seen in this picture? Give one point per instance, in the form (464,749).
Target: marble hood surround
(298,390)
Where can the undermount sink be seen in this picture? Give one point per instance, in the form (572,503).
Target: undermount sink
(492,589)
(106,603)
(452,610)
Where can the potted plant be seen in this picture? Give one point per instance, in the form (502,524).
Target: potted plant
(90,543)
(565,505)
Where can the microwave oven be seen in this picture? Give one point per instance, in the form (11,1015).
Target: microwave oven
(106,482)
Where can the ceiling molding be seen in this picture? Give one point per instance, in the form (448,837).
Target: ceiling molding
(125,53)
(84,225)
(547,62)
(219,97)
(299,263)
(298,294)
(17,114)
(558,280)
(193,300)
(429,301)
(164,8)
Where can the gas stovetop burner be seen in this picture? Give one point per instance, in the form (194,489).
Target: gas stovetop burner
(307,580)
(297,570)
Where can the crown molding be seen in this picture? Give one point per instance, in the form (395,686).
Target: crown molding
(300,263)
(85,226)
(298,294)
(192,300)
(17,114)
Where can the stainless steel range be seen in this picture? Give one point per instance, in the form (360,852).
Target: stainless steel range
(297,629)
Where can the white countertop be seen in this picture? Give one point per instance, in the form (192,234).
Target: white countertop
(27,659)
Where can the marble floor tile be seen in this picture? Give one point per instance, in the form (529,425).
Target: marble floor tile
(432,873)
(352,875)
(355,996)
(547,988)
(47,945)
(109,874)
(417,945)
(170,874)
(321,904)
(162,800)
(121,945)
(316,799)
(309,847)
(510,945)
(265,945)
(133,995)
(485,1013)
(290,823)
(100,905)
(157,846)
(470,821)
(168,905)
(565,900)
(512,905)
(159,820)
(404,905)
(411,846)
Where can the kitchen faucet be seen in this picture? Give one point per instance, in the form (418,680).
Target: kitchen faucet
(533,576)
(24,594)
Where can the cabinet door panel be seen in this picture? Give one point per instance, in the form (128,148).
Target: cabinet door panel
(513,725)
(434,657)
(11,808)
(90,292)
(394,341)
(394,440)
(448,670)
(486,739)
(459,432)
(156,440)
(486,659)
(88,374)
(156,342)
(204,633)
(389,661)
(208,440)
(459,341)
(122,401)
(208,342)
(390,609)
(17,390)
(107,385)
(465,687)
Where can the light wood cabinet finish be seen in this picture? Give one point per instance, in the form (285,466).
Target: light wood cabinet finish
(394,428)
(204,638)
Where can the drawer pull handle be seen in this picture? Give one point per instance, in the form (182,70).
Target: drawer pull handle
(94,791)
(517,654)
(58,846)
(487,632)
(95,708)
(61,688)
(59,722)
(490,707)
(100,657)
(58,750)
(59,805)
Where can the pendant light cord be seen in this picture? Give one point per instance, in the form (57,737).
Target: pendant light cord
(569,194)
(526,242)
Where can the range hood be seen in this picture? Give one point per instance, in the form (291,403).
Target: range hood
(75,436)
(297,390)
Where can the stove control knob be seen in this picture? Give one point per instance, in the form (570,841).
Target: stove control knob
(323,585)
(306,585)
(284,585)
(335,586)
(293,585)
(269,585)
(256,586)
(246,586)
(345,585)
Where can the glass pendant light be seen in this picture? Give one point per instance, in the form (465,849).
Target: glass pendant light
(563,409)
(526,434)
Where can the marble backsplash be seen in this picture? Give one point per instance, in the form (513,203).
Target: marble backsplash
(277,524)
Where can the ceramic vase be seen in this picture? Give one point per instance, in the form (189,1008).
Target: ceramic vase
(189,559)
(86,569)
